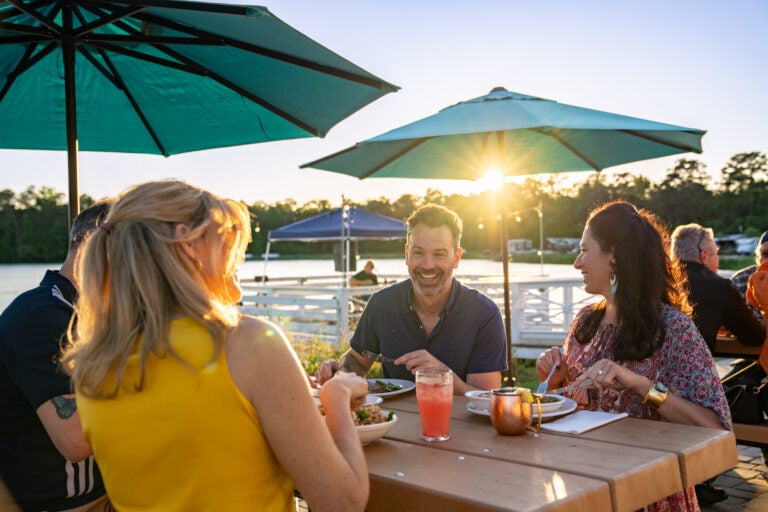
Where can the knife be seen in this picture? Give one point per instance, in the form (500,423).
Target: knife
(377,357)
(571,387)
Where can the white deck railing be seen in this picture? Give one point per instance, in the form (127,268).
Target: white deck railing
(320,308)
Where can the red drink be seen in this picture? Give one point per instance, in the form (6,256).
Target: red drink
(434,394)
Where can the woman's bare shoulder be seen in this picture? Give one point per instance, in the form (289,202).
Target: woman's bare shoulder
(257,335)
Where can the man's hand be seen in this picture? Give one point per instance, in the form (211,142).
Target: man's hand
(420,360)
(325,371)
(351,361)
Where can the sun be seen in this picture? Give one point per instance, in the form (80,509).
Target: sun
(491,180)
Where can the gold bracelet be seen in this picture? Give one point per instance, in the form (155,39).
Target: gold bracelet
(656,395)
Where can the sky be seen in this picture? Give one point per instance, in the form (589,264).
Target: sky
(694,63)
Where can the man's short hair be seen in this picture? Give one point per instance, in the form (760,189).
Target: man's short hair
(686,241)
(88,220)
(435,216)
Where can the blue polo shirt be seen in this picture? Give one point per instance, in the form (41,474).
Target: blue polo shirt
(468,338)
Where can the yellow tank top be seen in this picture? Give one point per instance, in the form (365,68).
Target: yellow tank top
(188,441)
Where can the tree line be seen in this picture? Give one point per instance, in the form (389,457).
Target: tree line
(33,223)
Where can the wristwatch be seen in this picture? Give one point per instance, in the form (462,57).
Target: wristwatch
(656,395)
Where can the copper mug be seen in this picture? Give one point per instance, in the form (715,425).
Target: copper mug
(510,413)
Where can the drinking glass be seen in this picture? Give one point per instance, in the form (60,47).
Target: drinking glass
(434,394)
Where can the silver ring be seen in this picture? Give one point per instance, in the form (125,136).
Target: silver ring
(600,372)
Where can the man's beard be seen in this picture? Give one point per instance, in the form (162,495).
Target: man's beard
(436,286)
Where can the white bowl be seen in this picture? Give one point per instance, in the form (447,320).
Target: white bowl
(550,406)
(480,399)
(374,431)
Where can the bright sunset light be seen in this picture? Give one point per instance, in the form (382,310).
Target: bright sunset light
(491,180)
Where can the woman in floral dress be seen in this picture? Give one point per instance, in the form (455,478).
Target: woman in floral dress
(642,353)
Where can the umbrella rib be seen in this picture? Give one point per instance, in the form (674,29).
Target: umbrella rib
(106,19)
(25,63)
(190,66)
(397,155)
(28,39)
(25,29)
(273,54)
(660,141)
(187,6)
(212,38)
(373,170)
(114,76)
(149,58)
(30,11)
(246,93)
(572,149)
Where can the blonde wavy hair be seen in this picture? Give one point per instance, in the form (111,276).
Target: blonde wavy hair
(139,272)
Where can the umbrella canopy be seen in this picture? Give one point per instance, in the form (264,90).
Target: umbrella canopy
(331,226)
(164,77)
(515,134)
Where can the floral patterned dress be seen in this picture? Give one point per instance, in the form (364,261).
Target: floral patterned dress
(683,363)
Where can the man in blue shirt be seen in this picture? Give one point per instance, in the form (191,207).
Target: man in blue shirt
(430,320)
(44,459)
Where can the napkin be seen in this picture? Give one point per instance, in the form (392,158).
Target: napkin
(582,421)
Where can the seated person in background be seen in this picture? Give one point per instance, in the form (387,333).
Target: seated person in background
(365,277)
(44,458)
(188,404)
(430,320)
(643,354)
(740,278)
(716,303)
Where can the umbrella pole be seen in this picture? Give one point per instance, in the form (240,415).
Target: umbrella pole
(68,50)
(507,309)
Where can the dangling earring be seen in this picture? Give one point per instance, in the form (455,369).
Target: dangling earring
(614,282)
(199,265)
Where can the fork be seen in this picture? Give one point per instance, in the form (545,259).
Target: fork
(377,357)
(543,385)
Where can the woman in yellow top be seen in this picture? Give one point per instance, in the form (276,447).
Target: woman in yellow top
(188,404)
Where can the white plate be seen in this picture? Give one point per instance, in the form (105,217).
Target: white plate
(369,400)
(374,431)
(372,400)
(568,406)
(407,385)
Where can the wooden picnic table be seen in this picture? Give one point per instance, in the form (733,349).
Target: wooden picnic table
(622,466)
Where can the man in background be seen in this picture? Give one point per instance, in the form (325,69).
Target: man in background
(365,277)
(44,459)
(716,303)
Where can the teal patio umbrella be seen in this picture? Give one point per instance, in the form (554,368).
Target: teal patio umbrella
(164,77)
(515,134)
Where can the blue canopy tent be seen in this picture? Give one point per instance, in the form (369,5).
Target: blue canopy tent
(344,225)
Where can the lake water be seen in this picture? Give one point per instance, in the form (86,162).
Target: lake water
(16,278)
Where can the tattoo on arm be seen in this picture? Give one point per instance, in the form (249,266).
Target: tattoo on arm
(65,407)
(350,363)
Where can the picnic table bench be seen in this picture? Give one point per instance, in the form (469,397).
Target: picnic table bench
(729,346)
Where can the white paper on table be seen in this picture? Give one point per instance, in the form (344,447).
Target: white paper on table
(582,421)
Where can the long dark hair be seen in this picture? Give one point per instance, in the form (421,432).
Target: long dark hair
(646,276)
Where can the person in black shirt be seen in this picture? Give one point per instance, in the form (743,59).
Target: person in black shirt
(44,459)
(716,302)
(365,277)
